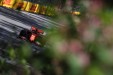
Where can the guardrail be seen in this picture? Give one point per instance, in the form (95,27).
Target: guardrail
(27,6)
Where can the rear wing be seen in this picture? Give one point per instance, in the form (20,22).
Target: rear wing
(37,30)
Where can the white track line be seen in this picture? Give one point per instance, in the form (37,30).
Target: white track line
(8,29)
(14,22)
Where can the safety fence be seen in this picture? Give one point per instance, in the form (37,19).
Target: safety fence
(23,5)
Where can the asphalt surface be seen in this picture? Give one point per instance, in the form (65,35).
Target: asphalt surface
(12,22)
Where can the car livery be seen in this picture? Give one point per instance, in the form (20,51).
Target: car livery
(33,35)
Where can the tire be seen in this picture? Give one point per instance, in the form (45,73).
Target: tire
(22,33)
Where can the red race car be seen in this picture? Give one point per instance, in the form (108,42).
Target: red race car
(34,35)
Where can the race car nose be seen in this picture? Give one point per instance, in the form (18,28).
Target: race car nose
(44,33)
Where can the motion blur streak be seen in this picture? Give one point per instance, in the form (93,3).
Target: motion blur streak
(6,28)
(14,22)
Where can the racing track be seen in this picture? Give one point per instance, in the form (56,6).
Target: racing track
(12,22)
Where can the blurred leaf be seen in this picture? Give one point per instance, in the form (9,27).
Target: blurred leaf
(104,55)
(74,65)
(106,17)
(25,51)
(72,31)
(94,70)
(38,64)
(11,53)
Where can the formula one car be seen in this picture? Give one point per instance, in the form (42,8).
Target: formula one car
(34,35)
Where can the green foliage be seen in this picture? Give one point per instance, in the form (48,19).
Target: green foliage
(81,48)
(106,16)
